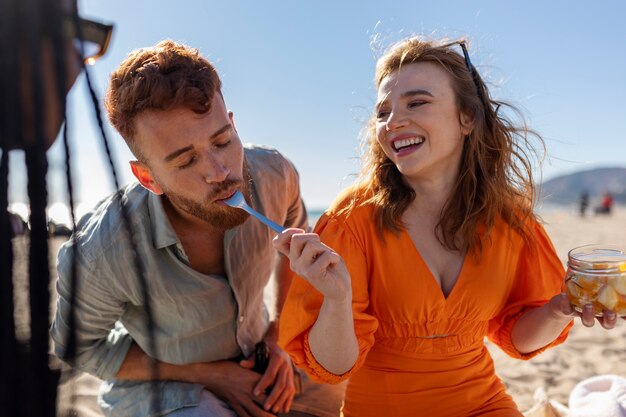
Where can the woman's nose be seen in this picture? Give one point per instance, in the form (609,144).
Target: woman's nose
(395,120)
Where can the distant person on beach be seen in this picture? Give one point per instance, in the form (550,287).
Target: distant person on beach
(584,203)
(42,48)
(19,227)
(207,264)
(436,247)
(606,204)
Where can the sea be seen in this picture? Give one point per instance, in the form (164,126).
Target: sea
(59,213)
(314,215)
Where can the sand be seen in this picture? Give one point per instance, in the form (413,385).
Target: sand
(587,352)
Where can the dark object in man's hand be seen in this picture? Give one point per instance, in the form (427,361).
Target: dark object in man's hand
(261,357)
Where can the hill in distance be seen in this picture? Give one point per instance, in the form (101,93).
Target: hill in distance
(567,189)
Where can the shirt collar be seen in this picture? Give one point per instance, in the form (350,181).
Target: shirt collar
(163,234)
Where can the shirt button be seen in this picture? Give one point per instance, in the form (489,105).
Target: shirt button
(240,319)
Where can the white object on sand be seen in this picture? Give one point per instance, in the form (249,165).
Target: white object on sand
(599,396)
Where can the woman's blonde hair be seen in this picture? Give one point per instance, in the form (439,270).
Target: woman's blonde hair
(495,176)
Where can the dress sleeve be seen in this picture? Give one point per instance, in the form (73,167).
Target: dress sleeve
(539,277)
(304,302)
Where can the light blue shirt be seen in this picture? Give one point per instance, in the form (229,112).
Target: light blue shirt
(198,317)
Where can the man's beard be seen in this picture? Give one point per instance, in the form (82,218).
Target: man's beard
(219,216)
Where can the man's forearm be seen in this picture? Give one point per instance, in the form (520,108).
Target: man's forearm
(138,366)
(228,380)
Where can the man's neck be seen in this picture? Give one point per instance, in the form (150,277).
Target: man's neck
(203,244)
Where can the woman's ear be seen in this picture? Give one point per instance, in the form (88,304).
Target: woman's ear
(467,123)
(145,178)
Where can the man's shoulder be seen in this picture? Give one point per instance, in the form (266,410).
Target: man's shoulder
(100,230)
(275,185)
(260,157)
(268,163)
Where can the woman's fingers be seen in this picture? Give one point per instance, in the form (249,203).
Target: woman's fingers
(560,306)
(282,241)
(587,317)
(313,250)
(317,263)
(305,249)
(609,319)
(299,242)
(566,306)
(320,262)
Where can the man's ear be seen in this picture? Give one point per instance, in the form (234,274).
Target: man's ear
(145,178)
(232,119)
(467,123)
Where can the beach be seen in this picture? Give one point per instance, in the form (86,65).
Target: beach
(587,352)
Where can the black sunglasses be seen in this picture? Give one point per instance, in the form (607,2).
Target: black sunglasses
(468,63)
(94,36)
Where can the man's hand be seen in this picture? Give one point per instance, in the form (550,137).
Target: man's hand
(278,376)
(235,385)
(228,380)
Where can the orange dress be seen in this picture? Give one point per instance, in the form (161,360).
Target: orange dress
(397,304)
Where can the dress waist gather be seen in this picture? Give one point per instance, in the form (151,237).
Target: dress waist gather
(436,359)
(434,337)
(403,384)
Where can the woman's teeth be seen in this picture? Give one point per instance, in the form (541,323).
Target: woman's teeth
(404,143)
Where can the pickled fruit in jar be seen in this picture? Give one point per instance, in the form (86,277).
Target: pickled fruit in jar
(588,282)
(577,294)
(619,284)
(608,297)
(596,276)
(620,307)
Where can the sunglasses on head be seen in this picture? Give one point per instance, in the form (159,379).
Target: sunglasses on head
(468,64)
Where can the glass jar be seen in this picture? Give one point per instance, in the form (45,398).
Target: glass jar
(596,275)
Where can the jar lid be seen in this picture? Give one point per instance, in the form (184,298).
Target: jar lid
(598,259)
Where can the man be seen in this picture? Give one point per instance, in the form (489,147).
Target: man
(206,264)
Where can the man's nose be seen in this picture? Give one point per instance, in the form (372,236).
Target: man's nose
(215,169)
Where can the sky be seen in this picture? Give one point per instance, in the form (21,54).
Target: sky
(298,76)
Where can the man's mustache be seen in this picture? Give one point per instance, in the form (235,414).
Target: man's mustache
(225,186)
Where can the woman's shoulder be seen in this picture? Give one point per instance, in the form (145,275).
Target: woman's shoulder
(349,222)
(516,218)
(351,212)
(351,205)
(524,228)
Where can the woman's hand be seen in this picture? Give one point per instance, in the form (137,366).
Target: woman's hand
(332,338)
(561,308)
(322,267)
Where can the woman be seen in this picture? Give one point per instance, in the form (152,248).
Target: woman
(439,248)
